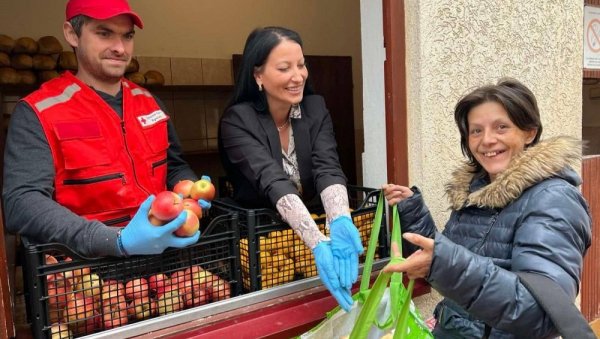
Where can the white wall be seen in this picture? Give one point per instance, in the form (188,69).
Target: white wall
(373,57)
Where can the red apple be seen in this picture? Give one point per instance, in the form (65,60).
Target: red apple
(50,260)
(190,226)
(192,270)
(204,279)
(166,206)
(60,331)
(191,204)
(90,285)
(193,294)
(80,308)
(59,290)
(114,312)
(203,189)
(169,301)
(220,290)
(74,275)
(87,326)
(136,288)
(154,220)
(178,278)
(157,282)
(183,187)
(112,289)
(142,308)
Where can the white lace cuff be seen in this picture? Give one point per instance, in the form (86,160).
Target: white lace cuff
(294,212)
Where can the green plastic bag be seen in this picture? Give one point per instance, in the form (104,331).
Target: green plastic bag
(384,308)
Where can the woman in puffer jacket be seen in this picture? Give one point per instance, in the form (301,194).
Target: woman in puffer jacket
(515,206)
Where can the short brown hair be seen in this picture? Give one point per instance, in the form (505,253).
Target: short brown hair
(518,101)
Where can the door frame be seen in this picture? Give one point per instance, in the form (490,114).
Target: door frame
(395,91)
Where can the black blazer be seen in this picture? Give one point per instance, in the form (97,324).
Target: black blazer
(251,153)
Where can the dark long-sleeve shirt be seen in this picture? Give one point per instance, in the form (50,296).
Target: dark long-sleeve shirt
(29,186)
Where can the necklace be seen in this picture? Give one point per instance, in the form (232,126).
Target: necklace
(284,125)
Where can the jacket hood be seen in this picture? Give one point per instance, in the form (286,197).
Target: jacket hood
(554,157)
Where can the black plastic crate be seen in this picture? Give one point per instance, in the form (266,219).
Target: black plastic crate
(113,293)
(272,254)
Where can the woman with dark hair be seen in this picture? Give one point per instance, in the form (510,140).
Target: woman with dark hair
(278,148)
(515,209)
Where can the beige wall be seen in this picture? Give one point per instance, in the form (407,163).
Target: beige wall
(454,45)
(213,28)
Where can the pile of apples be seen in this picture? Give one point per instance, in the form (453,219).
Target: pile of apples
(185,195)
(81,302)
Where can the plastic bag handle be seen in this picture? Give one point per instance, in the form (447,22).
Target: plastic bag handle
(371,297)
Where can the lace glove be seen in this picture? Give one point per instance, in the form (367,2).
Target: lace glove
(325,266)
(294,212)
(141,237)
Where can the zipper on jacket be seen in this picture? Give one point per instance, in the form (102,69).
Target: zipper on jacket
(95,179)
(158,163)
(493,222)
(129,154)
(115,221)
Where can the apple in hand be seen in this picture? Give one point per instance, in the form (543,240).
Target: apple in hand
(190,226)
(183,187)
(166,206)
(203,189)
(192,205)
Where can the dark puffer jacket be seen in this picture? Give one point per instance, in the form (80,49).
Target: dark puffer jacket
(532,218)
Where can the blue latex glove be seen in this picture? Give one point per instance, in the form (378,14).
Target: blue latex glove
(141,237)
(346,247)
(329,277)
(204,204)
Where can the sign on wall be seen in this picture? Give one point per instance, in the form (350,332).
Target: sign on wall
(591,37)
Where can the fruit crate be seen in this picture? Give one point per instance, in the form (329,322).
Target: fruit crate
(272,254)
(68,295)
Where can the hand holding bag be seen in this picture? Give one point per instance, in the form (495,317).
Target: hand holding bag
(380,307)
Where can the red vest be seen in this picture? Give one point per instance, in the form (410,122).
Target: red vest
(105,167)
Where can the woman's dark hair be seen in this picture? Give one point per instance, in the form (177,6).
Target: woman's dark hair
(259,45)
(518,101)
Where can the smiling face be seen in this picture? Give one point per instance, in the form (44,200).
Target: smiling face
(494,140)
(283,76)
(104,49)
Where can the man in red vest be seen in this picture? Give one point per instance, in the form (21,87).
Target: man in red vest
(84,151)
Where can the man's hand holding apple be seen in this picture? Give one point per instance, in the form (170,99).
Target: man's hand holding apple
(142,237)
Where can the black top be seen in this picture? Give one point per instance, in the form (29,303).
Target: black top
(251,153)
(29,186)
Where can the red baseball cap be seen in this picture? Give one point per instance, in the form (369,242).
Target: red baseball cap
(102,9)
